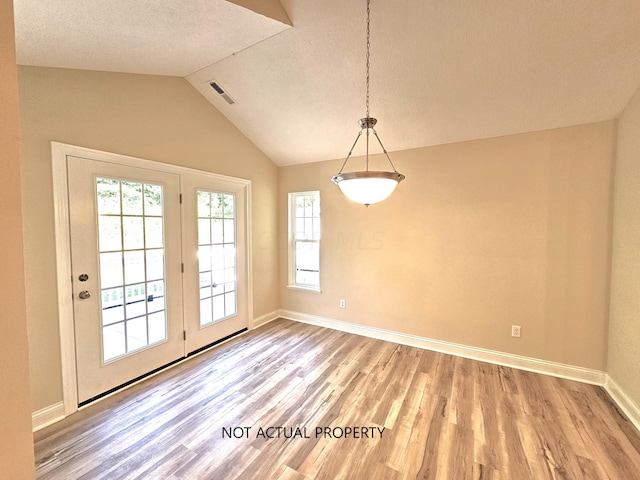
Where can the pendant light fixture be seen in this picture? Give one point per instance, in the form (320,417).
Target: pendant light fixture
(367,187)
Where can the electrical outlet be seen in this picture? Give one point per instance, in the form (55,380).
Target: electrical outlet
(343,303)
(515,330)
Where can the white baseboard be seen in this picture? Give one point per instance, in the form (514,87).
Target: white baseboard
(47,416)
(623,401)
(54,413)
(266,318)
(570,372)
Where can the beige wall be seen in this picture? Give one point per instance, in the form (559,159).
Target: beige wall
(156,118)
(16,441)
(480,236)
(624,327)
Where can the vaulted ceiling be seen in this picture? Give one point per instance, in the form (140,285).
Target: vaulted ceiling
(442,71)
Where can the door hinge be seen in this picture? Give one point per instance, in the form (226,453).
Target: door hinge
(182,267)
(184,335)
(181,199)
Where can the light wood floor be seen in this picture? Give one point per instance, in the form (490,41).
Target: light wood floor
(443,417)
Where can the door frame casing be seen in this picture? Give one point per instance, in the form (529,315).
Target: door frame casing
(59,153)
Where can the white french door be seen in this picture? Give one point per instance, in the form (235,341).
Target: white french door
(215,274)
(158,263)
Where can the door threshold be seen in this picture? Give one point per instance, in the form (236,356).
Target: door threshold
(159,369)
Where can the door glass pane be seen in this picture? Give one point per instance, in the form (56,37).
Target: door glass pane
(134,266)
(155,296)
(216,256)
(157,327)
(153,200)
(136,334)
(153,233)
(155,264)
(133,232)
(110,270)
(110,238)
(136,301)
(114,344)
(108,196)
(132,270)
(112,306)
(132,198)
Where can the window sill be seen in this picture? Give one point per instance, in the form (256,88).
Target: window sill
(305,288)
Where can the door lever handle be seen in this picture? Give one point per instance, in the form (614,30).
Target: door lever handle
(84,294)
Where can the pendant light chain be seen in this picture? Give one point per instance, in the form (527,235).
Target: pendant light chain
(368,47)
(368,65)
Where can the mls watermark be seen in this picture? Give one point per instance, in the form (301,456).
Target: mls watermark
(356,432)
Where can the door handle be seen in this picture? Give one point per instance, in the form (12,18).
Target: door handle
(84,294)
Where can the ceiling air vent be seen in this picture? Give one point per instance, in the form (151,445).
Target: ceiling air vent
(222,93)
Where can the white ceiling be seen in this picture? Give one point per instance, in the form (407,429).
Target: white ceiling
(441,70)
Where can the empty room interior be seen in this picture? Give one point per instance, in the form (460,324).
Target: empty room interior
(295,239)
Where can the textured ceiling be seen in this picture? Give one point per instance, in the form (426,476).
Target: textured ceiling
(441,71)
(162,37)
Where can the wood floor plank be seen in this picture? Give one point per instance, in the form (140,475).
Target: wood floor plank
(426,415)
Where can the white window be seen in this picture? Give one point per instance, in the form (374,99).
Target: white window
(304,240)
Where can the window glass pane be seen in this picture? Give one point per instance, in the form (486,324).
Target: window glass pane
(205,279)
(112,315)
(155,296)
(109,233)
(217,205)
(152,200)
(155,264)
(154,235)
(299,206)
(308,256)
(229,256)
(113,342)
(136,334)
(110,270)
(229,206)
(230,304)
(217,289)
(229,230)
(229,275)
(205,292)
(157,327)
(205,311)
(204,258)
(136,304)
(131,198)
(217,257)
(134,267)
(308,211)
(204,204)
(216,231)
(204,231)
(108,196)
(133,233)
(308,228)
(218,307)
(112,306)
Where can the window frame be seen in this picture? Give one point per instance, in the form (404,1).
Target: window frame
(292,267)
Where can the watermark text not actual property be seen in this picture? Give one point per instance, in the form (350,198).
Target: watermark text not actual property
(357,432)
